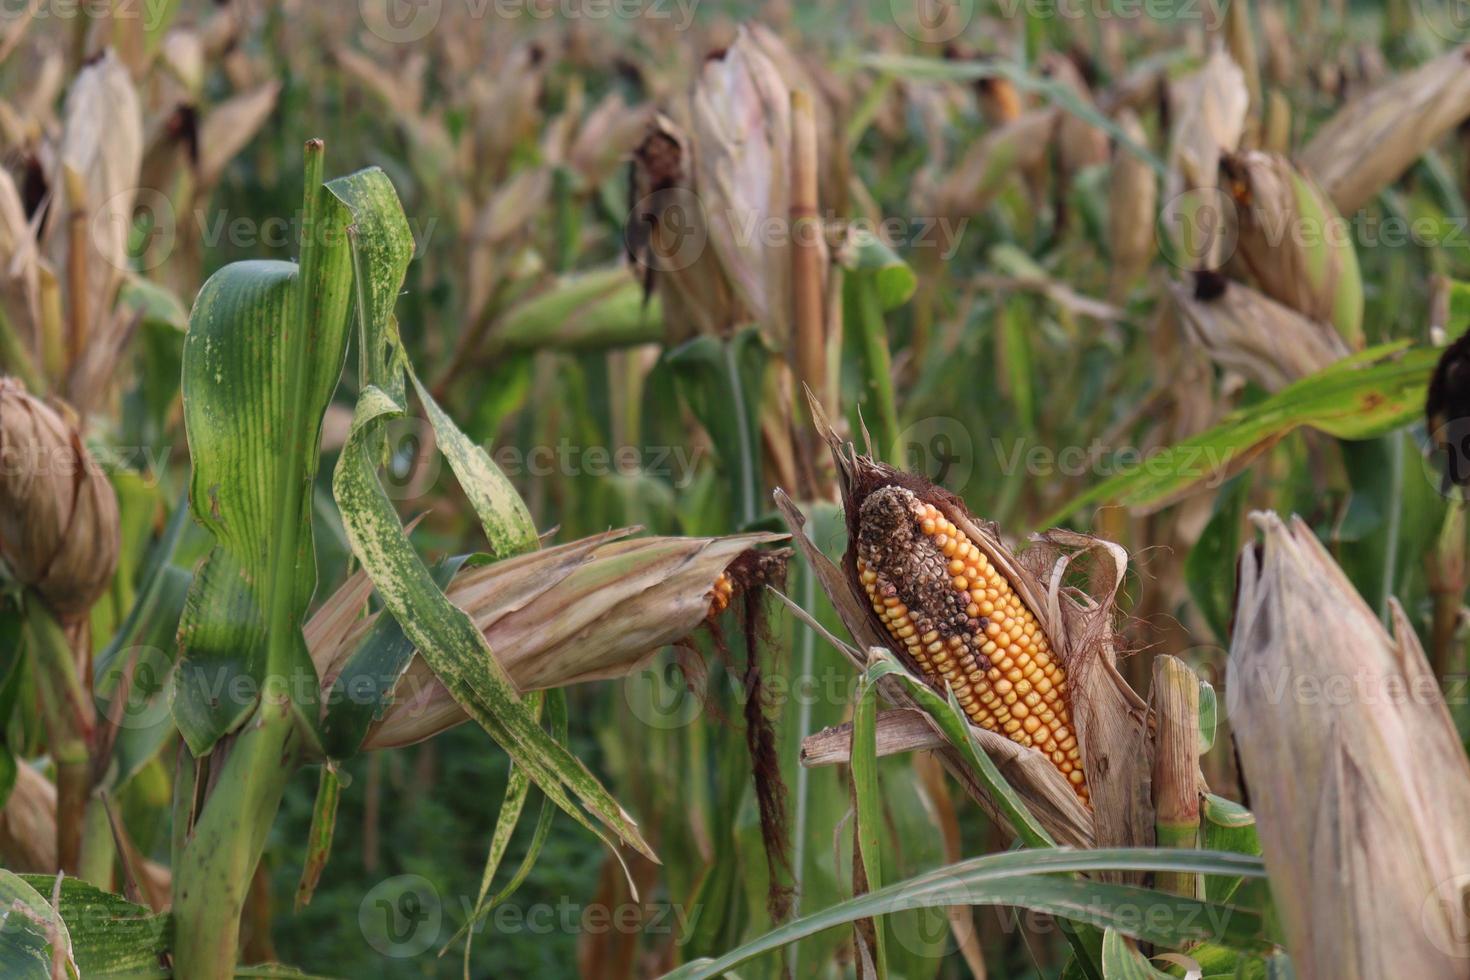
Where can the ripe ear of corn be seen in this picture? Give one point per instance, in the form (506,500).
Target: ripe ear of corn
(958,619)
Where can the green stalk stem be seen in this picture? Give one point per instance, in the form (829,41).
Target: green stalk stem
(250,771)
(219,859)
(67,715)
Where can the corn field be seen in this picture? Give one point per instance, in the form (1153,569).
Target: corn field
(688,488)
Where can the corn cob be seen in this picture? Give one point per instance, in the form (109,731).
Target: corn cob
(958,618)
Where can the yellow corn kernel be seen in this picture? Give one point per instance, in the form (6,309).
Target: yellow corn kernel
(963,623)
(719,595)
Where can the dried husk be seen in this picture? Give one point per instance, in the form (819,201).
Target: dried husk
(93,172)
(1244,331)
(667,238)
(1016,149)
(1080,144)
(28,824)
(1358,780)
(1107,714)
(1297,247)
(1209,110)
(1133,195)
(606,137)
(228,127)
(826,94)
(741,115)
(1280,59)
(20,283)
(590,610)
(58,512)
(1374,139)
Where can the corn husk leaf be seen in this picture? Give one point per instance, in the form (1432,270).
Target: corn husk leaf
(667,238)
(95,169)
(1295,244)
(1245,331)
(1374,139)
(1209,112)
(1016,149)
(589,610)
(741,113)
(1360,785)
(58,512)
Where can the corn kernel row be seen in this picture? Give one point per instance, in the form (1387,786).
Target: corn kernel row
(959,619)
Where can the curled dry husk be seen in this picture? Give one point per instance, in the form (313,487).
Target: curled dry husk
(1358,780)
(741,115)
(1108,715)
(589,610)
(667,234)
(1209,110)
(58,512)
(1245,331)
(93,172)
(1293,241)
(1374,139)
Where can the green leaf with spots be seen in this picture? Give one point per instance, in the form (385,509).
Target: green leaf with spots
(263,354)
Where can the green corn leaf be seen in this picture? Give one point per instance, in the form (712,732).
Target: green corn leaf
(108,935)
(1359,397)
(1029,879)
(319,838)
(26,932)
(1226,826)
(263,354)
(447,638)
